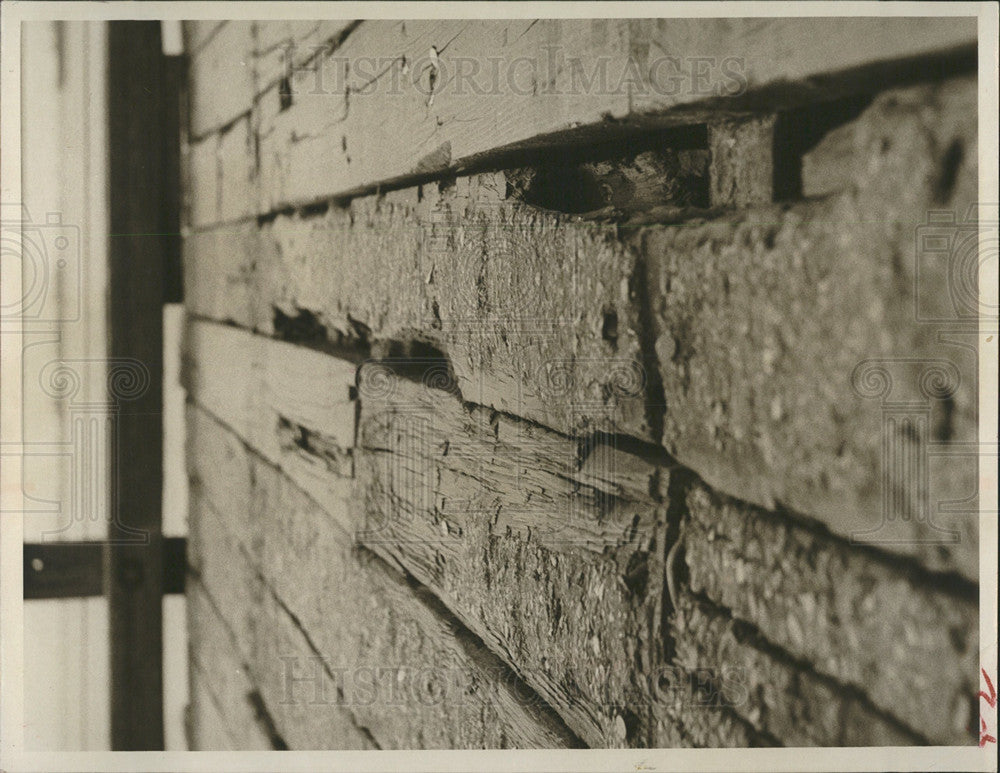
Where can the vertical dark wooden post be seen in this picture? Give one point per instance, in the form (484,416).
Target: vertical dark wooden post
(142,100)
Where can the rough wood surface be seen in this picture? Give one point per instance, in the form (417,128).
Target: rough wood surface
(393,646)
(293,405)
(908,642)
(741,335)
(283,47)
(482,490)
(457,89)
(261,638)
(221,74)
(778,695)
(233,63)
(550,334)
(551,552)
(223,717)
(469,501)
(742,151)
(789,338)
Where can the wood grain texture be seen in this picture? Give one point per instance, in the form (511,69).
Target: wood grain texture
(281,48)
(908,643)
(457,90)
(788,335)
(566,646)
(292,405)
(779,695)
(725,333)
(383,629)
(264,640)
(460,478)
(518,298)
(232,63)
(469,501)
(551,553)
(742,150)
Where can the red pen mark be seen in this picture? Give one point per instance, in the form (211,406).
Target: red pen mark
(992,697)
(984,737)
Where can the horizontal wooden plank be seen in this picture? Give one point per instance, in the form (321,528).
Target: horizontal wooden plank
(622,705)
(514,503)
(227,292)
(233,62)
(62,570)
(197,32)
(222,714)
(382,623)
(55,570)
(206,725)
(780,696)
(268,391)
(221,84)
(416,261)
(910,644)
(791,338)
(562,578)
(262,634)
(428,96)
(720,331)
(266,639)
(284,47)
(293,405)
(287,668)
(468,501)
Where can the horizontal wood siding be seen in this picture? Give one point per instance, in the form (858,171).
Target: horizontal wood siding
(542,418)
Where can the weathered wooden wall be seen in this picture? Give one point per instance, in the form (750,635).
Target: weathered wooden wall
(557,416)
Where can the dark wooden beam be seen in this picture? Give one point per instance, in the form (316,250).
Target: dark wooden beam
(59,570)
(173,280)
(143,136)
